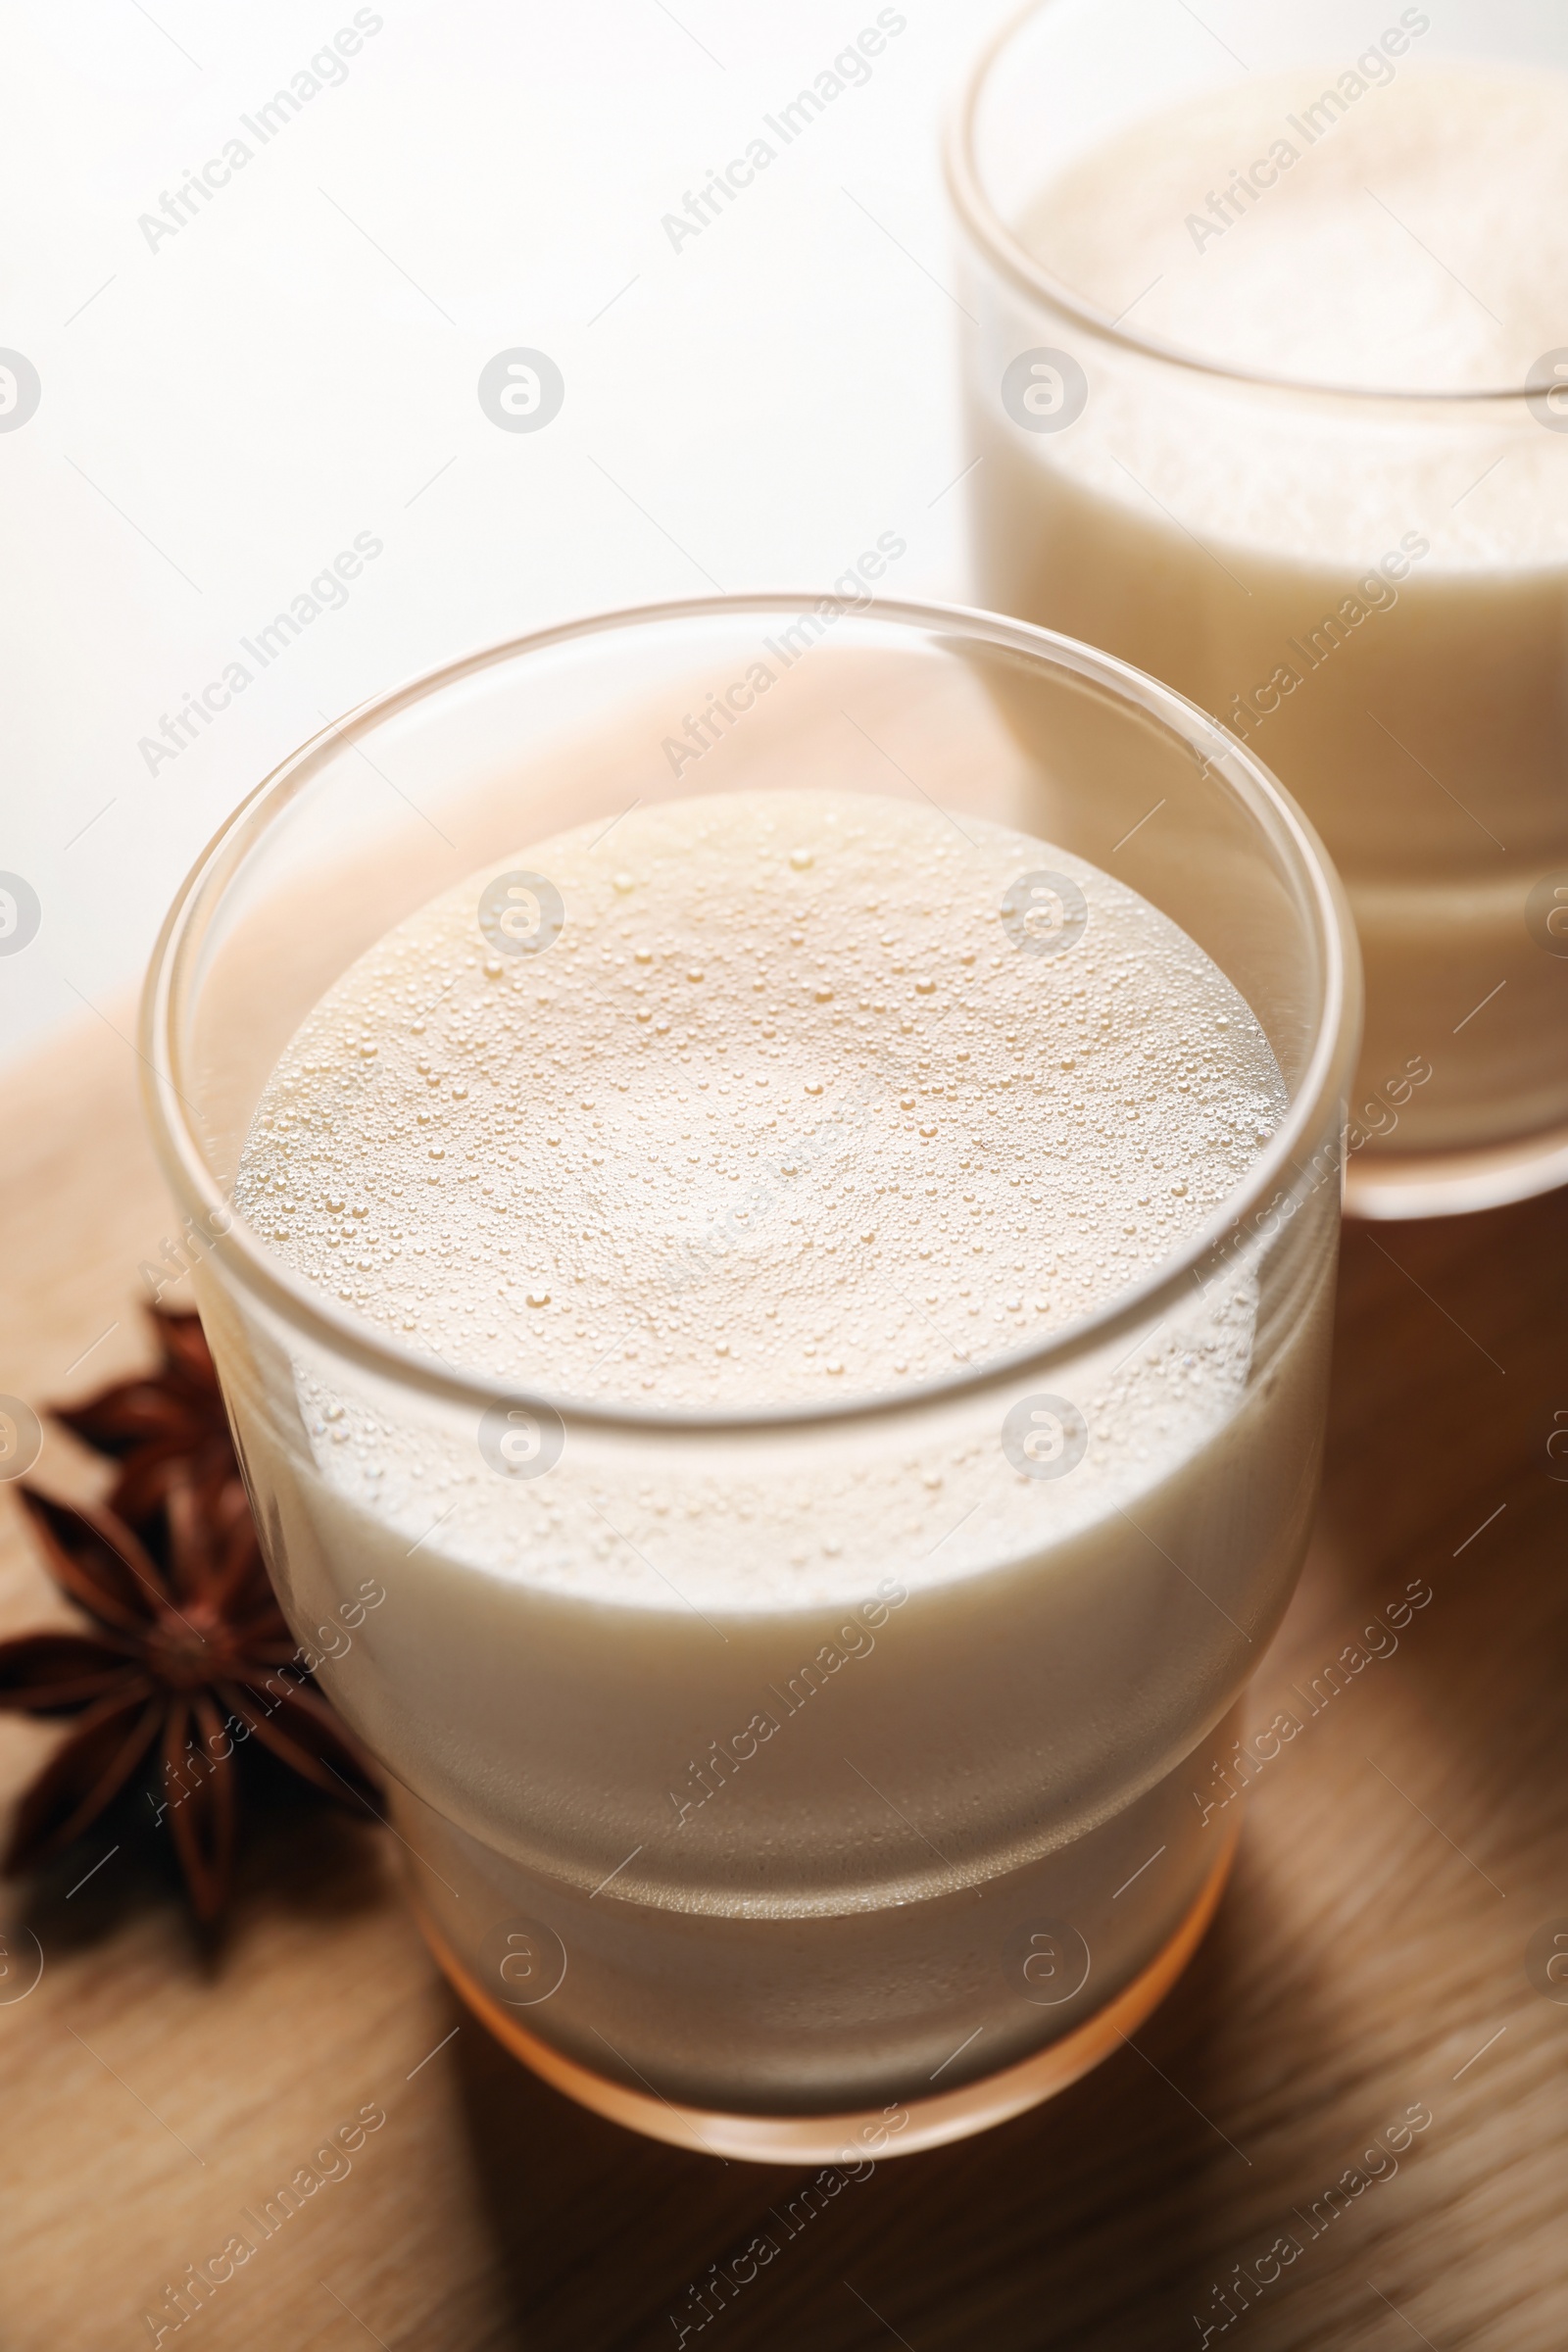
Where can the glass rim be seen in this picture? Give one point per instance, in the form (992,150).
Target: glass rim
(996,242)
(241,1255)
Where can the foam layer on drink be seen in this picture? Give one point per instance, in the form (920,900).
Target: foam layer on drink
(805,1099)
(1411,236)
(1416,244)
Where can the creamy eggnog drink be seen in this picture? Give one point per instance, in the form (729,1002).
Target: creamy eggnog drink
(771,1276)
(1267,384)
(803,1095)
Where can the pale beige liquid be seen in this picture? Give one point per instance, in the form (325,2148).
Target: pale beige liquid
(1378,602)
(785,1116)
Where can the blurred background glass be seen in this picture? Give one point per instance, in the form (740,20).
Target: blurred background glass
(1293,449)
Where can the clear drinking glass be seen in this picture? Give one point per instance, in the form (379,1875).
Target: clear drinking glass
(1370,587)
(977,1843)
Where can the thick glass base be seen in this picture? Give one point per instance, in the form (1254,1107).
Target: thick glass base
(854,2136)
(1393,1187)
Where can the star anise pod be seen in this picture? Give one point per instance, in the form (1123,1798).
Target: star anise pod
(161,1422)
(188,1655)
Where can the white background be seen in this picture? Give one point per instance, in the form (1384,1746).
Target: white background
(222,412)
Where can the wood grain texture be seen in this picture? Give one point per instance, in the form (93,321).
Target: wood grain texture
(1397,1856)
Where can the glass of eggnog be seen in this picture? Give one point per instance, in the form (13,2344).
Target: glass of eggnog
(1268,374)
(773,1171)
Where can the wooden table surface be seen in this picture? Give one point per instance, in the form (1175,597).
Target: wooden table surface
(1370,1956)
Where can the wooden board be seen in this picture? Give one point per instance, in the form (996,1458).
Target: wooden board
(1398,1857)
